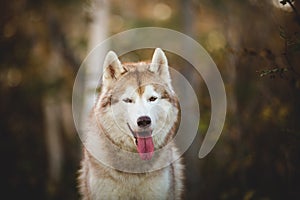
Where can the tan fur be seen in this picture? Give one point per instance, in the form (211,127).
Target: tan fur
(97,180)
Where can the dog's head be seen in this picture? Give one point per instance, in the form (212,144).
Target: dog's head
(137,107)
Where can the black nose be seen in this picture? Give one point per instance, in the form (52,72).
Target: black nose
(144,121)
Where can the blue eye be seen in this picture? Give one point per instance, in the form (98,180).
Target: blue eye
(153,98)
(127,100)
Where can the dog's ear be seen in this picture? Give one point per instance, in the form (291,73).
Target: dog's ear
(112,68)
(159,65)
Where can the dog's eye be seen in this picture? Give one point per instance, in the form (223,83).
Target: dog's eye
(152,98)
(127,100)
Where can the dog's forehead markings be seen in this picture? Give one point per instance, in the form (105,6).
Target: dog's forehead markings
(137,71)
(129,91)
(141,88)
(138,76)
(149,90)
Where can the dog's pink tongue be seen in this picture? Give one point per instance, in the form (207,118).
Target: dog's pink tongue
(145,147)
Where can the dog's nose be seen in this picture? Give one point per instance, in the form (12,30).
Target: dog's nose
(143,122)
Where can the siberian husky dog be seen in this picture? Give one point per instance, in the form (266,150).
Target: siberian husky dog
(130,134)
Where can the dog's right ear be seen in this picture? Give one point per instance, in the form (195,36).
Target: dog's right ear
(159,66)
(112,68)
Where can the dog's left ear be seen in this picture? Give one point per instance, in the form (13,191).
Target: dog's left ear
(112,68)
(159,65)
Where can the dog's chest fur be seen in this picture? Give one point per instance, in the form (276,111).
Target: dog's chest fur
(102,182)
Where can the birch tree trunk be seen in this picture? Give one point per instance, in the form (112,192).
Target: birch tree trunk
(98,32)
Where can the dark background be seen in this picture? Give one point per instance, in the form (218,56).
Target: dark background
(255,45)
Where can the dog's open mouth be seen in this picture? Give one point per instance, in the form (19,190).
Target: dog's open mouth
(144,143)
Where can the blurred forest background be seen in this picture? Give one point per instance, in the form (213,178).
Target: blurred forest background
(254,43)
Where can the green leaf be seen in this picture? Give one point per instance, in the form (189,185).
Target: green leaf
(282,33)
